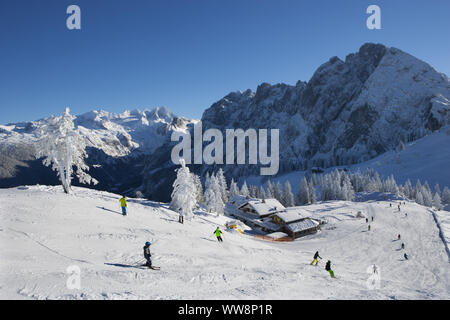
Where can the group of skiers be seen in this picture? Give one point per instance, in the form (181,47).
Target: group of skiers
(218,233)
(399,237)
(327,265)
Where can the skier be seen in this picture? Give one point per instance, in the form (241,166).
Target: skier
(367,220)
(375,270)
(406,256)
(372,219)
(123,204)
(181,217)
(328,268)
(398,237)
(368,228)
(398,208)
(390,205)
(218,233)
(147,254)
(316,255)
(403,246)
(406,215)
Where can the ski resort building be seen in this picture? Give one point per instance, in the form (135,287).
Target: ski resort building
(296,222)
(256,213)
(269,216)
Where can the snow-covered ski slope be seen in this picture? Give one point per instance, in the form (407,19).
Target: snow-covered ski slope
(43,232)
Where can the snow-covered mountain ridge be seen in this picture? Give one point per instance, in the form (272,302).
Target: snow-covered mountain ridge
(115,134)
(349,112)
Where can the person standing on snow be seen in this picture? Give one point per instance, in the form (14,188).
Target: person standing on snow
(406,256)
(181,217)
(368,228)
(403,246)
(328,268)
(218,233)
(398,238)
(123,204)
(147,254)
(316,255)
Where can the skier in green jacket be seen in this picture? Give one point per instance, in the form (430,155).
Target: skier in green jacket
(218,233)
(328,268)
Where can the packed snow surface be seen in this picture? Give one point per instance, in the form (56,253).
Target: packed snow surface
(44,231)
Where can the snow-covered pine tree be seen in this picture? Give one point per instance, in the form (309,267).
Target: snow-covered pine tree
(303,194)
(418,189)
(222,185)
(288,196)
(278,191)
(312,191)
(64,148)
(408,190)
(184,193)
(446,195)
(262,193)
(218,200)
(437,189)
(234,189)
(244,190)
(419,197)
(199,188)
(270,190)
(347,187)
(427,196)
(437,203)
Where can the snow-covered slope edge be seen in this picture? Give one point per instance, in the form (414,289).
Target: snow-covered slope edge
(43,231)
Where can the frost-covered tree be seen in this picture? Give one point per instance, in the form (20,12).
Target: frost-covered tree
(437,201)
(288,196)
(408,190)
(278,191)
(222,185)
(446,195)
(419,197)
(262,193)
(347,189)
(234,189)
(270,190)
(184,194)
(213,196)
(199,188)
(427,196)
(303,194)
(437,189)
(64,148)
(244,190)
(312,191)
(418,189)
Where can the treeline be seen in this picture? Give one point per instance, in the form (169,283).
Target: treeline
(336,185)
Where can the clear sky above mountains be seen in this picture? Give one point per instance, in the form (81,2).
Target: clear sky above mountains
(188,54)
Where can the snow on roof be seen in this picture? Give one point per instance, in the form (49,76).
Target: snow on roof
(302,225)
(292,214)
(264,207)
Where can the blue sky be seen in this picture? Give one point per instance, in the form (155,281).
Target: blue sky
(188,54)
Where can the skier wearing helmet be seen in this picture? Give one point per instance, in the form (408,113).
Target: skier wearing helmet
(147,254)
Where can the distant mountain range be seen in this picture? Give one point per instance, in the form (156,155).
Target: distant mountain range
(348,112)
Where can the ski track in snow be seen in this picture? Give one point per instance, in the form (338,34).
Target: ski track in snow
(77,230)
